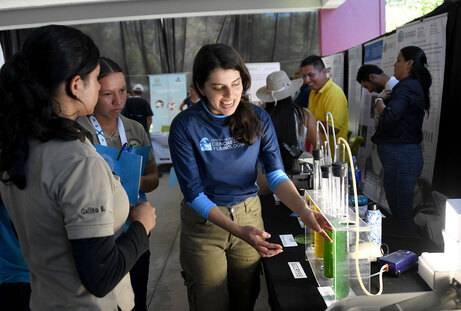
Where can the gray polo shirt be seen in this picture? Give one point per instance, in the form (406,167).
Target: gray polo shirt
(70,194)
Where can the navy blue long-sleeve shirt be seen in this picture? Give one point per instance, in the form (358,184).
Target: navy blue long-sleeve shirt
(402,119)
(207,159)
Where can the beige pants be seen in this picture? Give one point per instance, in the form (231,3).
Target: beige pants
(221,272)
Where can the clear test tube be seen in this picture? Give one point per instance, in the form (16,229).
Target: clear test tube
(326,188)
(318,159)
(337,154)
(340,186)
(334,190)
(327,159)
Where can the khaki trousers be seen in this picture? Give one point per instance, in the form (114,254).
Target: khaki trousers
(221,272)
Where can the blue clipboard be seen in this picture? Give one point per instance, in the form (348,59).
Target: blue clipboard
(126,165)
(144,152)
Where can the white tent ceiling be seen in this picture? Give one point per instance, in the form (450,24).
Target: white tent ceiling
(16,14)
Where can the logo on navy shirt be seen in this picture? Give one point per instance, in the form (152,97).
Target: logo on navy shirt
(205,144)
(219,144)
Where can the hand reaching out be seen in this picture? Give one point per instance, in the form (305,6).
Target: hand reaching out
(255,238)
(317,222)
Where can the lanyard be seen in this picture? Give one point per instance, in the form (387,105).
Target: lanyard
(100,134)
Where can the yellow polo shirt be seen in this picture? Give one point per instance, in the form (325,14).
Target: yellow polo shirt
(331,98)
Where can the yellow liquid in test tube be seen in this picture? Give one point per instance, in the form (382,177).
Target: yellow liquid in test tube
(318,242)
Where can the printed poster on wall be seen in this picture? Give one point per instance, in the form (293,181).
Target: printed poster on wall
(167,91)
(430,36)
(258,73)
(354,100)
(368,159)
(334,64)
(390,53)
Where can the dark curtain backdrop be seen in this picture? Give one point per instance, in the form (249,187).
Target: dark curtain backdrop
(169,45)
(447,170)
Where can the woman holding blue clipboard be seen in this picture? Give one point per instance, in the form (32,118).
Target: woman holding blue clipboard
(65,204)
(111,129)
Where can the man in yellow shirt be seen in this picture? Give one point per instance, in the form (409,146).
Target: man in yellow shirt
(326,96)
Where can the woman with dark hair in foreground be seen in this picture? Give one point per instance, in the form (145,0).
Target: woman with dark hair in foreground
(215,147)
(65,204)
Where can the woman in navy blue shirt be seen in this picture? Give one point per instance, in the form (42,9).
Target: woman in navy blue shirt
(399,131)
(215,146)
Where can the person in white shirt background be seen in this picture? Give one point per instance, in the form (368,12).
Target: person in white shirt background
(374,79)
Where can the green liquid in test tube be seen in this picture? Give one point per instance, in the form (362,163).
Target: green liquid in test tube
(328,257)
(341,265)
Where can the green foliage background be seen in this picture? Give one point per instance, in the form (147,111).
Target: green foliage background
(399,12)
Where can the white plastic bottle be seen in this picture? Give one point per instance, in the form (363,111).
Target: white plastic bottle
(374,220)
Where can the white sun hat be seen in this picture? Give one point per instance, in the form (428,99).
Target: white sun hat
(138,88)
(278,86)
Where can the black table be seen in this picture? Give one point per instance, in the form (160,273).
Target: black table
(287,293)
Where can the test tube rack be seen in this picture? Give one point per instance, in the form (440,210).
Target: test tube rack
(344,280)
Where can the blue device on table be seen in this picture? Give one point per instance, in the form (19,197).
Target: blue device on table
(361,200)
(399,261)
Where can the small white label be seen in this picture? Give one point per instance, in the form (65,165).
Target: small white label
(301,223)
(328,294)
(297,270)
(288,240)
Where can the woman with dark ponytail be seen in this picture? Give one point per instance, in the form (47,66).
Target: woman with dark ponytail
(64,202)
(399,131)
(215,147)
(419,70)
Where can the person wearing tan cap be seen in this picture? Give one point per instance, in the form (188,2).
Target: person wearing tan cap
(292,123)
